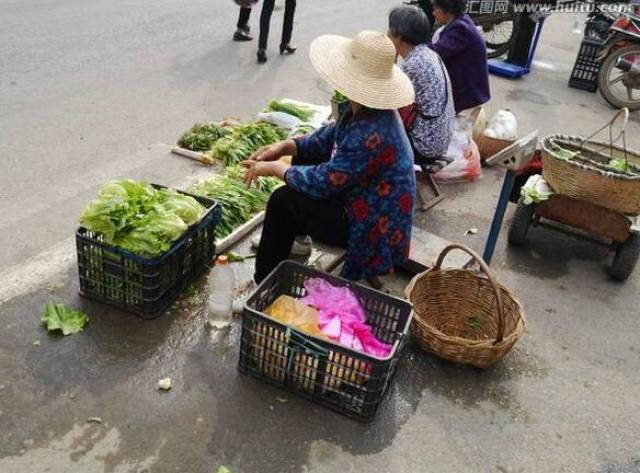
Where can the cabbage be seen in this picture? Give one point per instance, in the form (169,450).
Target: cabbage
(184,206)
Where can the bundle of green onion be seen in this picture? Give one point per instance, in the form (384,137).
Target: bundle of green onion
(238,201)
(298,111)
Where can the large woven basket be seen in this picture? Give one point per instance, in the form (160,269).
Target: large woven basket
(587,177)
(462,315)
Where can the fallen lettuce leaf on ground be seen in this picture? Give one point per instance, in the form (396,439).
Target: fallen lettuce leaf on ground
(60,317)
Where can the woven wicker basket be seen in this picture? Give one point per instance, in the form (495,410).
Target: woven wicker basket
(490,146)
(464,316)
(587,176)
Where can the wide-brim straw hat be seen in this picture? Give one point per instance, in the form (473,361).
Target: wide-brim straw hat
(363,69)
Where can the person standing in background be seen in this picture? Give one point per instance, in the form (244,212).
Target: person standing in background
(243,31)
(287,28)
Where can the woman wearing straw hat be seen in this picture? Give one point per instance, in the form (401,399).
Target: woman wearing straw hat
(352,182)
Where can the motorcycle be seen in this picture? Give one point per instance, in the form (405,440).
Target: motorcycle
(619,75)
(599,21)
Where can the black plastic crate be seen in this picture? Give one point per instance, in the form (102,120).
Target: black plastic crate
(342,379)
(146,286)
(585,70)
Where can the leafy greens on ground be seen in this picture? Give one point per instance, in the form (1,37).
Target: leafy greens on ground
(201,137)
(243,141)
(139,218)
(238,201)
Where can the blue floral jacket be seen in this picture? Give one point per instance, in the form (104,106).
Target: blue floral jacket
(366,159)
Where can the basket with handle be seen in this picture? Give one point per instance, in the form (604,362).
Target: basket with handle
(588,176)
(462,315)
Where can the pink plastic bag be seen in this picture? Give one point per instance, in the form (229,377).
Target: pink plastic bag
(342,319)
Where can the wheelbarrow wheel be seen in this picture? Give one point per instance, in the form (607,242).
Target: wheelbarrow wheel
(522,218)
(626,257)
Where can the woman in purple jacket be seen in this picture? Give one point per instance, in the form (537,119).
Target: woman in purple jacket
(463,51)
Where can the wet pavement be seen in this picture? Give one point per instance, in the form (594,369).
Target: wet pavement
(564,400)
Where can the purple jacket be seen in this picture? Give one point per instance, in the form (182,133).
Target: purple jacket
(464,53)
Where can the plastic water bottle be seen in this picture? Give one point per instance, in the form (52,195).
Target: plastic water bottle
(222,283)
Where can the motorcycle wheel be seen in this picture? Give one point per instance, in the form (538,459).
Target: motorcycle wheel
(499,31)
(611,88)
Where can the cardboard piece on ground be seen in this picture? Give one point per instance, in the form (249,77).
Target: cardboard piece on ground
(425,249)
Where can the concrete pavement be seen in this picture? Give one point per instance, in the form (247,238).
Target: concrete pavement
(98,90)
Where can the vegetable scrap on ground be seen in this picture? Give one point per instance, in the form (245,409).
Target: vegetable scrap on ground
(60,317)
(139,218)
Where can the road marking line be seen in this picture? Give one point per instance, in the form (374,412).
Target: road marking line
(41,269)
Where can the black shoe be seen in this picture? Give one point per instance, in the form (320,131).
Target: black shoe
(262,56)
(242,34)
(285,48)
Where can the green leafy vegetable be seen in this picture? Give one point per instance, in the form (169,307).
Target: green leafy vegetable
(619,165)
(564,154)
(475,322)
(298,111)
(202,136)
(139,218)
(338,97)
(239,203)
(243,141)
(60,317)
(301,131)
(236,258)
(223,469)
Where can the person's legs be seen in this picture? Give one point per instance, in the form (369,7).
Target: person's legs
(290,213)
(242,33)
(243,19)
(287,29)
(265,21)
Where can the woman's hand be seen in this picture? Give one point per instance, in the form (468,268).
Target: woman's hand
(275,151)
(268,153)
(256,169)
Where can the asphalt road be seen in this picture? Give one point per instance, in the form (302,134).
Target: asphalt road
(88,87)
(91,90)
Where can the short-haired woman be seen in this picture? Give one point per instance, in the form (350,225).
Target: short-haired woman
(429,121)
(463,51)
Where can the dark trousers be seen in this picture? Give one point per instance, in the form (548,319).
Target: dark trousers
(265,21)
(243,19)
(290,213)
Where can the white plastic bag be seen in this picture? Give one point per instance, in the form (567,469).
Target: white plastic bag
(502,126)
(465,164)
(280,119)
